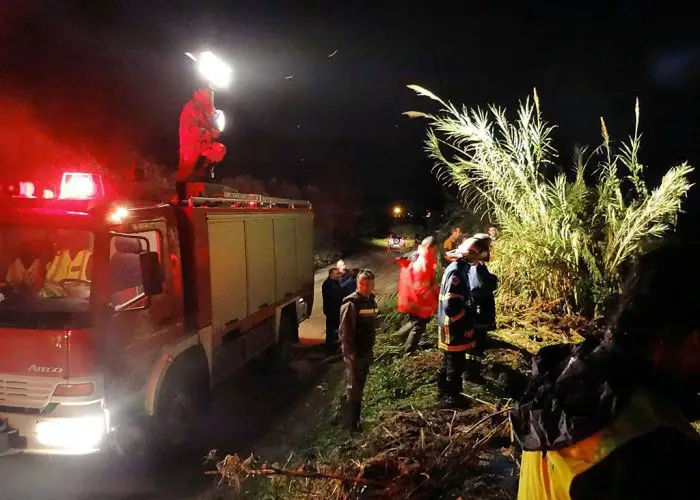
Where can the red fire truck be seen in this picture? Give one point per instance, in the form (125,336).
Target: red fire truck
(114,304)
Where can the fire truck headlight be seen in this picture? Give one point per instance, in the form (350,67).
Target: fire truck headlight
(214,70)
(73,434)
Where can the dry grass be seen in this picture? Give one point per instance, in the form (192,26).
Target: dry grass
(531,325)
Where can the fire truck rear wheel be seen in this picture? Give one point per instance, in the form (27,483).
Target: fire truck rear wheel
(183,397)
(281,354)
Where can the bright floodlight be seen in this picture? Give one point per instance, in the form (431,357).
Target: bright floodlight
(214,70)
(219,120)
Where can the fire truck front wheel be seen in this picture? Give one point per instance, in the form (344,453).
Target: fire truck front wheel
(183,397)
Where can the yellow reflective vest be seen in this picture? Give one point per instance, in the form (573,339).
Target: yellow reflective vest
(18,274)
(548,476)
(62,267)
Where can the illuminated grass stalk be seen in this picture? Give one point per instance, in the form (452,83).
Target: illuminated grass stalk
(561,237)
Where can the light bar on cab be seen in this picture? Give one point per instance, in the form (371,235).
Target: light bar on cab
(80,186)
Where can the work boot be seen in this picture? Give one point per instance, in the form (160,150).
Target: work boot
(351,420)
(473,372)
(442,384)
(181,190)
(356,412)
(457,402)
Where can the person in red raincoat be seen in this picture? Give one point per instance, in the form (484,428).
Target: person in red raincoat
(418,291)
(198,133)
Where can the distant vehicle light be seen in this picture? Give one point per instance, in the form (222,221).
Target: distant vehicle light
(118,215)
(79,186)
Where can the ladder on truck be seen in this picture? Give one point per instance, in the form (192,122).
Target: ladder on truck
(202,194)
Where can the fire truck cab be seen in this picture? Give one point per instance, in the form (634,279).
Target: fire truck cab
(114,306)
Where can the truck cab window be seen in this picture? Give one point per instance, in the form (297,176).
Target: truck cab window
(44,273)
(125,268)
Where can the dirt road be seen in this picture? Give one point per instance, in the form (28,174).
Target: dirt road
(245,410)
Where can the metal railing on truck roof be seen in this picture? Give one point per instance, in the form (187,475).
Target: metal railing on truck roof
(247,201)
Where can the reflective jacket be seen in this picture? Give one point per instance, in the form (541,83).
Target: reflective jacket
(17,274)
(198,134)
(417,290)
(358,324)
(597,424)
(455,317)
(62,267)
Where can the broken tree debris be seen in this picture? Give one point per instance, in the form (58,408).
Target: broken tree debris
(416,455)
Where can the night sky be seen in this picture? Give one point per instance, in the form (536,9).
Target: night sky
(112,75)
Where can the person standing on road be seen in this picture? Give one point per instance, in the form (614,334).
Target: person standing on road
(348,278)
(456,327)
(417,290)
(332,295)
(358,323)
(611,419)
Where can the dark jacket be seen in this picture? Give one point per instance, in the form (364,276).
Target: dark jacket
(580,392)
(348,283)
(332,295)
(483,284)
(358,323)
(455,316)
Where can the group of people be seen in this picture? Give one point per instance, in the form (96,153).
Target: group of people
(40,268)
(464,303)
(601,419)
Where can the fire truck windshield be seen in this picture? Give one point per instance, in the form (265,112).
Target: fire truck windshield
(45,275)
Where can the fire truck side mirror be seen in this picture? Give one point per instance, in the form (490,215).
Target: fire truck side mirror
(152,273)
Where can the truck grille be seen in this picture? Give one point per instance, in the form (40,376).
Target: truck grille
(25,392)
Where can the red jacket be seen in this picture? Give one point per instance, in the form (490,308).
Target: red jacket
(198,134)
(418,292)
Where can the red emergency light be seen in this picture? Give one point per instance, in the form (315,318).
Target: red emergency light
(80,186)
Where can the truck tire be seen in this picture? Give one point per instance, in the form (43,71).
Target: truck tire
(282,353)
(183,397)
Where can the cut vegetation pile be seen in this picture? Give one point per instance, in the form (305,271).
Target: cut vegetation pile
(411,447)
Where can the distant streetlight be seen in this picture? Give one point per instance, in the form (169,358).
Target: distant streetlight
(397,211)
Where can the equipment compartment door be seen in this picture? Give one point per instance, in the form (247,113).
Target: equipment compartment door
(285,257)
(260,255)
(227,259)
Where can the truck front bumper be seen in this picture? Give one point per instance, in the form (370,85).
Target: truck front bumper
(66,430)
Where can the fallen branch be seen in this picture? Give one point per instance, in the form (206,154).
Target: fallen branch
(232,466)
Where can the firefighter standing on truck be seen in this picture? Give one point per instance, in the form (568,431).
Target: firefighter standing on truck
(358,322)
(199,150)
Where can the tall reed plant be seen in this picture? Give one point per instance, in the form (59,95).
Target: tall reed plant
(565,233)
